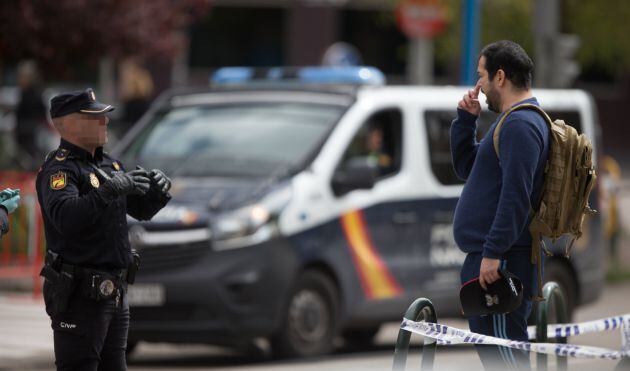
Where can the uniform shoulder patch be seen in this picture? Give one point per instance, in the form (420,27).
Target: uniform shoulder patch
(58,180)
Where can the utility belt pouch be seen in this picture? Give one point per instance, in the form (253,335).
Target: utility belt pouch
(49,274)
(62,285)
(133,267)
(100,285)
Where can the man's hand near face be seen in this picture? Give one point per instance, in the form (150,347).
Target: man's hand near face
(470,101)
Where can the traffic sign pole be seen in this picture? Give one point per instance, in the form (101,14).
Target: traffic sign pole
(470,41)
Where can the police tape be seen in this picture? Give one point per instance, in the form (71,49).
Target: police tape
(572,329)
(446,335)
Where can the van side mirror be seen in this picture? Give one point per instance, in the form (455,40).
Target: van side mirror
(356,173)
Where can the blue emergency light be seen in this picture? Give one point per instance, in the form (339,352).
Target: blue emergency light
(359,75)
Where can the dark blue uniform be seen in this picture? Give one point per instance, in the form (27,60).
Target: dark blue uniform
(89,233)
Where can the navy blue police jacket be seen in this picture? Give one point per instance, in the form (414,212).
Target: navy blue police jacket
(81,225)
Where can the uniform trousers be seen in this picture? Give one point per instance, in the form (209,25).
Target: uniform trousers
(91,335)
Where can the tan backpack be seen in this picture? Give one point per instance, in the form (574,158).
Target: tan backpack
(568,181)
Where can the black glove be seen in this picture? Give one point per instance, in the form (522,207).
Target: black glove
(160,180)
(136,182)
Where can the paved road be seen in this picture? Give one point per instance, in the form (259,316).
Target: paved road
(26,344)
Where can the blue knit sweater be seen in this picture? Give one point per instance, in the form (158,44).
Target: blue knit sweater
(492,214)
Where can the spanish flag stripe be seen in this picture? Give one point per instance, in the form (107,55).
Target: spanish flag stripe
(387,276)
(376,280)
(346,222)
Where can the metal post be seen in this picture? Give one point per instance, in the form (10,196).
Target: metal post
(546,26)
(470,38)
(553,296)
(420,65)
(420,309)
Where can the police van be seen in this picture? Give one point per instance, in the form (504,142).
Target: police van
(311,205)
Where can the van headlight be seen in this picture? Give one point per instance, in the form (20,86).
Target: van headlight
(250,225)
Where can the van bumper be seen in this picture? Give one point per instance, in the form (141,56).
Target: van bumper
(225,298)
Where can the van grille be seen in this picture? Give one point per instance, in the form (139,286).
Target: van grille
(172,313)
(171,257)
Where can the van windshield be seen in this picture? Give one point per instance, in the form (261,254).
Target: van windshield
(253,139)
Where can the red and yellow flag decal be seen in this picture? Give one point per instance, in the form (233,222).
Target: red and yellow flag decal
(376,280)
(58,181)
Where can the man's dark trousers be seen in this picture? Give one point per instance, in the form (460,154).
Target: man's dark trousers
(512,325)
(91,335)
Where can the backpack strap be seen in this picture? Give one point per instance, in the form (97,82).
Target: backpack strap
(536,229)
(497,129)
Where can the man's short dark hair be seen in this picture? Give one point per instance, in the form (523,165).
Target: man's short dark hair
(512,59)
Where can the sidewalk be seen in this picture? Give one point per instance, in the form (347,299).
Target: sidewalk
(26,342)
(25,335)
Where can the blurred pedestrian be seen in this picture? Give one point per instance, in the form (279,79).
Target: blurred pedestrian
(9,200)
(492,214)
(611,186)
(136,91)
(30,113)
(85,196)
(377,156)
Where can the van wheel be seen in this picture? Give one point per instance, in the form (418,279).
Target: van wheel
(560,273)
(310,318)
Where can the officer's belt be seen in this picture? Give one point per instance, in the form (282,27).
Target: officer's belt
(83,273)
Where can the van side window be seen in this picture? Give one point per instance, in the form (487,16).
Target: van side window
(438,124)
(438,128)
(378,142)
(569,117)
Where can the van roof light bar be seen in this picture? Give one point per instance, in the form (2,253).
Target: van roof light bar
(359,75)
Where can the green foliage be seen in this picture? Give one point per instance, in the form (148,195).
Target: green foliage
(508,19)
(500,19)
(603,27)
(618,275)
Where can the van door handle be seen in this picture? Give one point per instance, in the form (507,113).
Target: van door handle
(405,217)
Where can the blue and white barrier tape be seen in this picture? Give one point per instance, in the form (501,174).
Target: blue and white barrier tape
(572,329)
(446,335)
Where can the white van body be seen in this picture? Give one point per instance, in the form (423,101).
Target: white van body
(352,258)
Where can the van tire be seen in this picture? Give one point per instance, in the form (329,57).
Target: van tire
(560,273)
(311,315)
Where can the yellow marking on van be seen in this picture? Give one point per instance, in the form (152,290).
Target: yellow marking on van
(376,279)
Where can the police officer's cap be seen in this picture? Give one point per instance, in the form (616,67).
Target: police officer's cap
(77,102)
(503,295)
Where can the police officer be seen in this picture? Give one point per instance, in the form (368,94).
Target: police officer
(85,196)
(9,200)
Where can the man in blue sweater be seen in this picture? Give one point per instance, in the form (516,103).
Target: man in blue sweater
(492,216)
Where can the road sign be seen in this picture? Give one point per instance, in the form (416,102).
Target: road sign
(421,18)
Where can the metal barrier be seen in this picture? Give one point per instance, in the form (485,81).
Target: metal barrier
(554,298)
(420,309)
(554,303)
